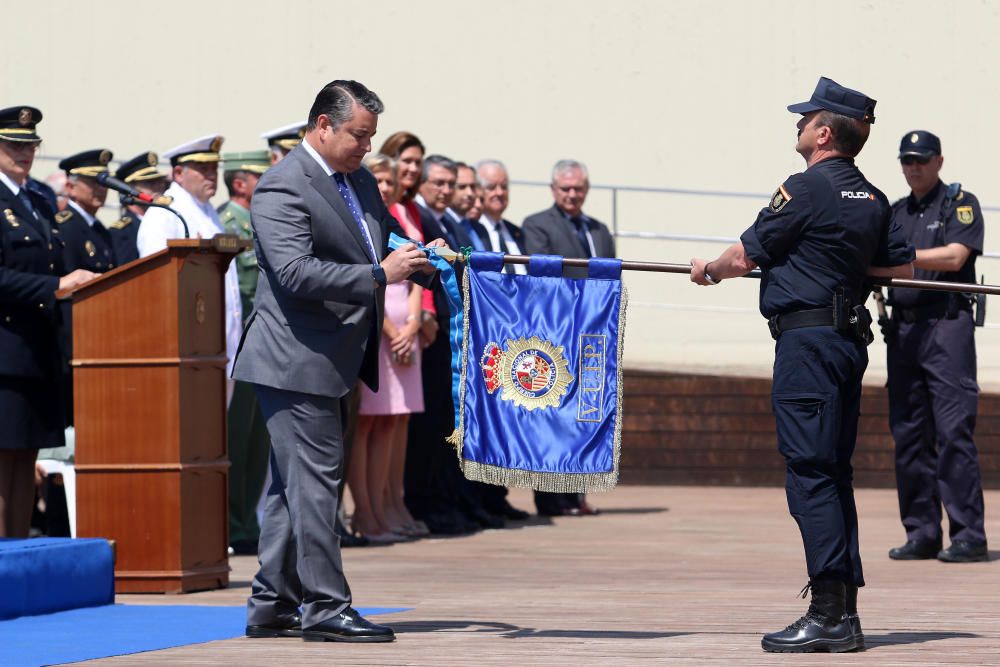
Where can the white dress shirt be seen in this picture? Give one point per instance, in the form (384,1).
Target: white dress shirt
(502,241)
(158,225)
(329,172)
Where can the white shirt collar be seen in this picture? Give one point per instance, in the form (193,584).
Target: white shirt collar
(489,222)
(86,216)
(14,187)
(423,202)
(316,156)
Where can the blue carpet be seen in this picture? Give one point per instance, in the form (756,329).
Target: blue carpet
(100,632)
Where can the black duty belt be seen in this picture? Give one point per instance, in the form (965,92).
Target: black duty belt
(933,311)
(814,317)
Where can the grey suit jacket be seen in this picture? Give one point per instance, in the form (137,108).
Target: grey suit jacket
(317,318)
(550,233)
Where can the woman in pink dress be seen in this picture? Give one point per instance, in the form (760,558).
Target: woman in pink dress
(380,436)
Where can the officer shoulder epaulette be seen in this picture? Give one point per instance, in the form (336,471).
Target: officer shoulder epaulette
(63,216)
(121,223)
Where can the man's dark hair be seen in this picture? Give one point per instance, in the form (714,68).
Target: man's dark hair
(440,161)
(336,101)
(849,134)
(229,176)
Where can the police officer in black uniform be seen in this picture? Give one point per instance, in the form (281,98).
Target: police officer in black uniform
(933,394)
(142,173)
(826,230)
(86,241)
(30,270)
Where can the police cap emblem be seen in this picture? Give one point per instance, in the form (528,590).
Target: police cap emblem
(914,138)
(24,117)
(105,157)
(152,159)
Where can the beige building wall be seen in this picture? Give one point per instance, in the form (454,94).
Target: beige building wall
(685,95)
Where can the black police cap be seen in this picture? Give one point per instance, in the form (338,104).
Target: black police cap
(920,143)
(18,124)
(143,167)
(831,96)
(88,163)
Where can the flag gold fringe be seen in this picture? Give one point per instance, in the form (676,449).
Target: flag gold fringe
(552,482)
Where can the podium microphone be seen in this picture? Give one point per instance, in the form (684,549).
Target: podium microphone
(109,181)
(133,196)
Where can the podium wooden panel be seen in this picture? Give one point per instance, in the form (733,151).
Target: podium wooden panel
(149,363)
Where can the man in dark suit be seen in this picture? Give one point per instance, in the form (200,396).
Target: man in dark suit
(495,233)
(321,236)
(446,501)
(564,229)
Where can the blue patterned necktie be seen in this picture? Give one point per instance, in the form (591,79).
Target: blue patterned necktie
(22,195)
(355,208)
(581,233)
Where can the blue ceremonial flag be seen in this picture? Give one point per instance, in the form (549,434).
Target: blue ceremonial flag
(540,376)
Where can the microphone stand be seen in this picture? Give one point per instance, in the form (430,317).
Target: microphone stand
(129,199)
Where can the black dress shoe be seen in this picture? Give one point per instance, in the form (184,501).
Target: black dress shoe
(347,539)
(285,626)
(244,548)
(961,551)
(916,550)
(348,626)
(812,634)
(449,523)
(508,511)
(484,519)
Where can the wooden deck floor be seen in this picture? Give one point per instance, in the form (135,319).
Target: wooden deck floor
(665,575)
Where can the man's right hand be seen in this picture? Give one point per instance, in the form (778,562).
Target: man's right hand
(76,278)
(402,262)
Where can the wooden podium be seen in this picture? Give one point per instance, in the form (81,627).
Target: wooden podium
(149,372)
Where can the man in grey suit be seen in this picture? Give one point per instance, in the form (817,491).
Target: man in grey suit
(320,233)
(564,229)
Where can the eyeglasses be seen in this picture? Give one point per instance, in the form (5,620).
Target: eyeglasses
(909,160)
(441,183)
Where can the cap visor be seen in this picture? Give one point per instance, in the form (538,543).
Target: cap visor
(916,154)
(803,107)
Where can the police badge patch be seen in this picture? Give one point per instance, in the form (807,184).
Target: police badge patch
(532,372)
(964,215)
(780,198)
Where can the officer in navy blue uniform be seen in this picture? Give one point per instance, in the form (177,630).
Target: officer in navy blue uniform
(30,270)
(825,231)
(933,394)
(142,173)
(86,241)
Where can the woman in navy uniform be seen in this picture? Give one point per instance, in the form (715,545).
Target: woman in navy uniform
(826,230)
(30,266)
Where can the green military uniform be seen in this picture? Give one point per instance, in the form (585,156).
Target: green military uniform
(249,445)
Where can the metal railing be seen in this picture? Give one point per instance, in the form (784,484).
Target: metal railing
(615,190)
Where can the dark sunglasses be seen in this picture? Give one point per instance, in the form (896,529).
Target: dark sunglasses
(908,160)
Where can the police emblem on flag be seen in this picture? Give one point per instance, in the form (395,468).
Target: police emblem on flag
(533,372)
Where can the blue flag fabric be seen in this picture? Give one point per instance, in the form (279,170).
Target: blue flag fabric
(541,378)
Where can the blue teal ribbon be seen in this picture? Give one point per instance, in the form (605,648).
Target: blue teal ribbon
(450,282)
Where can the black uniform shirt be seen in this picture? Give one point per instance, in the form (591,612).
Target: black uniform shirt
(932,222)
(86,246)
(824,228)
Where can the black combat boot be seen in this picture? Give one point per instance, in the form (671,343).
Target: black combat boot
(824,628)
(851,607)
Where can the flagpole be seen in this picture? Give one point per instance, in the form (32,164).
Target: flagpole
(665,267)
